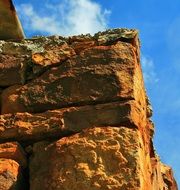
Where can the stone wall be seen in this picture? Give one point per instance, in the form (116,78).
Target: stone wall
(75,115)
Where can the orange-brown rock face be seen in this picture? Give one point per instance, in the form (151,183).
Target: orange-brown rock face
(13,151)
(97,158)
(75,115)
(9,175)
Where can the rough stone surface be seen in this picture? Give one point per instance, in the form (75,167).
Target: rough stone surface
(110,73)
(168,179)
(53,54)
(20,62)
(162,176)
(75,115)
(10,175)
(13,151)
(98,158)
(11,70)
(33,127)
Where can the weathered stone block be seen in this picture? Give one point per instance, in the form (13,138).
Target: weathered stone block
(98,74)
(12,70)
(54,87)
(57,123)
(97,158)
(10,175)
(13,151)
(25,60)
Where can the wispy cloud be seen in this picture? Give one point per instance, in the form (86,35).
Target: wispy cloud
(66,18)
(149,73)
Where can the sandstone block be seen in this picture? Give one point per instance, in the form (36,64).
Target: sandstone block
(10,175)
(13,151)
(11,70)
(56,123)
(82,42)
(53,54)
(99,74)
(25,60)
(97,158)
(80,46)
(79,108)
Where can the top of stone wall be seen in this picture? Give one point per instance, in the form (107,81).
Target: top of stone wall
(109,59)
(36,44)
(29,57)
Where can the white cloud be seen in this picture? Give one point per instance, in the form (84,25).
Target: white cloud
(66,18)
(149,74)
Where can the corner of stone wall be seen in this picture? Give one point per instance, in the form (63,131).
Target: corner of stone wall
(75,115)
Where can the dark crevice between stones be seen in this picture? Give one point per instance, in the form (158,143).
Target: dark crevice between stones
(47,137)
(35,71)
(26,172)
(56,135)
(12,40)
(4,88)
(1,90)
(41,137)
(11,6)
(46,107)
(21,182)
(152,150)
(113,42)
(167,182)
(31,74)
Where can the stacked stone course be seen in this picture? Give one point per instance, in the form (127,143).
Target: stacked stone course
(75,115)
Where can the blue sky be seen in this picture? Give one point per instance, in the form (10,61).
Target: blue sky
(159,26)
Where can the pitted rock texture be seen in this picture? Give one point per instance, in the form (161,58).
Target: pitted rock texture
(97,159)
(11,69)
(109,72)
(10,175)
(75,115)
(13,151)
